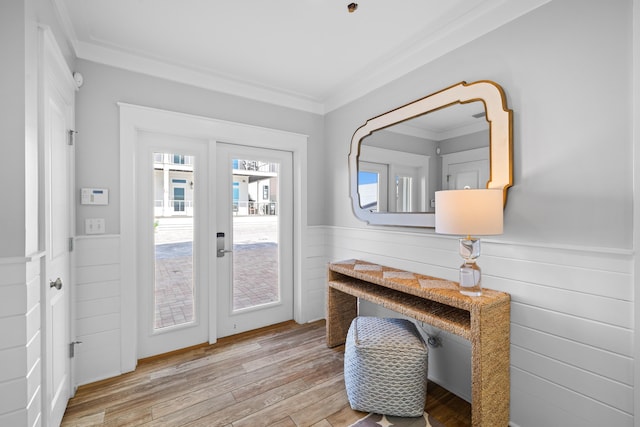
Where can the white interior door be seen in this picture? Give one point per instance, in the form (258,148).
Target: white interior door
(173,242)
(57,167)
(465,169)
(254,241)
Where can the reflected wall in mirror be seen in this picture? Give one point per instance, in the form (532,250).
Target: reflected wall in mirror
(460,136)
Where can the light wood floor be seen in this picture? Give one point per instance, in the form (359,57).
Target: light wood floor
(283,375)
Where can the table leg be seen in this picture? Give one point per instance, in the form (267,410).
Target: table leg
(490,366)
(342,308)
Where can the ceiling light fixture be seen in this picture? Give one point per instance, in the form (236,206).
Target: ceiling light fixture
(352,7)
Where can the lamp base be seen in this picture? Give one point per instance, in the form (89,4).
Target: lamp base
(470,279)
(470,273)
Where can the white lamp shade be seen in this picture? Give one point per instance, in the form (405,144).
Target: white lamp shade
(469,212)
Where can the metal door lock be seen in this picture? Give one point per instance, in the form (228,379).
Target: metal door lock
(220,250)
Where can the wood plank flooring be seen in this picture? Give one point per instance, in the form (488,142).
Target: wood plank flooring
(283,375)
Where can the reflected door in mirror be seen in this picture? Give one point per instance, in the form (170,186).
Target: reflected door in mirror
(465,169)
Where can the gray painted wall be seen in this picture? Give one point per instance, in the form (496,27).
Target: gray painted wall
(566,71)
(97,119)
(568,82)
(14,113)
(19,21)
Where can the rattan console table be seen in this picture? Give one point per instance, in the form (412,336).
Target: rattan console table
(483,320)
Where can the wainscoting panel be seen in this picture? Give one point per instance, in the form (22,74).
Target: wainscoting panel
(538,402)
(585,331)
(97,302)
(314,276)
(20,341)
(585,357)
(571,318)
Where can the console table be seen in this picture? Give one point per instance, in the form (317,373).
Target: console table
(483,320)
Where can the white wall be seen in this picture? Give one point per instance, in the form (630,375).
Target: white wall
(97,152)
(566,254)
(636,200)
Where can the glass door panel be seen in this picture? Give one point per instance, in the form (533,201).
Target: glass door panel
(255,219)
(255,234)
(172,245)
(173,240)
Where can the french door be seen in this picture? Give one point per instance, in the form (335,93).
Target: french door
(254,237)
(173,230)
(216,249)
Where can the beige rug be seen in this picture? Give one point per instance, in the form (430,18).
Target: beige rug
(377,420)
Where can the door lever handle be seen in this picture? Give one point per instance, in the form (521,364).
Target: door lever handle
(221,252)
(57,284)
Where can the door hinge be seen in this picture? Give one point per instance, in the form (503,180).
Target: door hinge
(72,137)
(70,244)
(72,348)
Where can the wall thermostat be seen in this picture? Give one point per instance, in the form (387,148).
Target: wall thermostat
(94,196)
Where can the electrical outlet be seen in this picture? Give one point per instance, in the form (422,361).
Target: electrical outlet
(434,341)
(433,338)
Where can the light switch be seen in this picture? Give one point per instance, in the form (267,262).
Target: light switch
(94,226)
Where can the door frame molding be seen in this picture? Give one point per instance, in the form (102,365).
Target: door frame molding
(135,118)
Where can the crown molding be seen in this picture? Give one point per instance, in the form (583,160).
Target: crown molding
(472,26)
(428,48)
(193,77)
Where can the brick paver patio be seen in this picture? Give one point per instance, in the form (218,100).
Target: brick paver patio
(255,279)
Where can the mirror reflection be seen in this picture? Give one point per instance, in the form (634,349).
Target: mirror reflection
(459,136)
(401,166)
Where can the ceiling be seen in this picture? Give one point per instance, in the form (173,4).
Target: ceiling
(450,122)
(307,54)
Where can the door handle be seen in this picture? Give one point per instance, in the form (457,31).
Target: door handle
(220,250)
(57,284)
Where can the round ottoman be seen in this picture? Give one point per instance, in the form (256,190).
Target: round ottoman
(385,367)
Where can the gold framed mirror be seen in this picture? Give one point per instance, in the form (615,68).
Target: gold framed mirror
(399,159)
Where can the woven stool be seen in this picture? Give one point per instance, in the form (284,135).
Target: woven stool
(385,367)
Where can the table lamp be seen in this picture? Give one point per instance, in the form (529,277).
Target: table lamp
(469,212)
